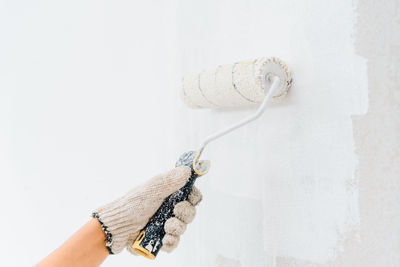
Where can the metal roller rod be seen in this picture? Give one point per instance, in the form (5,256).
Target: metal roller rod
(271,92)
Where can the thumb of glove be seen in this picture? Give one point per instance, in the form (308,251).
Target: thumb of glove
(154,192)
(163,185)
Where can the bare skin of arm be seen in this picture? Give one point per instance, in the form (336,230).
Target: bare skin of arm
(88,246)
(85,248)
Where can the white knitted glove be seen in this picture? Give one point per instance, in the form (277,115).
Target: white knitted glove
(123,218)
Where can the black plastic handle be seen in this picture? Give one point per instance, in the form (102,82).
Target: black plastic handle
(149,241)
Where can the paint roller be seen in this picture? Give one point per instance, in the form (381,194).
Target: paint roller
(246,83)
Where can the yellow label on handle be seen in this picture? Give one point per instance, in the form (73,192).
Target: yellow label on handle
(141,250)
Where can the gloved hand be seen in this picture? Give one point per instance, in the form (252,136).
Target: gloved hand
(123,218)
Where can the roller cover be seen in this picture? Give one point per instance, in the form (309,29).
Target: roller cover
(239,84)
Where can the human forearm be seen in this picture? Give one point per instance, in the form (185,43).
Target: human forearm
(85,248)
(116,225)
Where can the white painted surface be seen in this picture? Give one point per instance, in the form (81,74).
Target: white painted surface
(89,106)
(301,202)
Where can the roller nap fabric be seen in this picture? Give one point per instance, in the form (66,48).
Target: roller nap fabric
(234,85)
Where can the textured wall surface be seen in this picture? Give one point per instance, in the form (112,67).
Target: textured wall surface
(284,189)
(89,107)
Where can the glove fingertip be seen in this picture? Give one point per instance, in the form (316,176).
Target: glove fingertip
(174,226)
(195,196)
(185,211)
(170,242)
(167,249)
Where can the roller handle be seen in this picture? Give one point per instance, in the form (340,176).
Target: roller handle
(149,241)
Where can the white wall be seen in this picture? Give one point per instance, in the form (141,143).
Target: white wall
(281,186)
(89,106)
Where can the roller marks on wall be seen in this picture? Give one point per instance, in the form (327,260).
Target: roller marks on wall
(297,164)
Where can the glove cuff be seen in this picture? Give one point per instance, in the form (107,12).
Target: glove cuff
(109,237)
(115,220)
